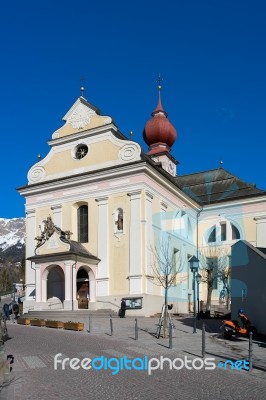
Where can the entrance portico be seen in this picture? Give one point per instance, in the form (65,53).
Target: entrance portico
(65,277)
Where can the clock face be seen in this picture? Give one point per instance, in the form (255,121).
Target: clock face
(81,151)
(171,167)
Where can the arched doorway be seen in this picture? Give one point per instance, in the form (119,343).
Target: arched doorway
(56,283)
(83,288)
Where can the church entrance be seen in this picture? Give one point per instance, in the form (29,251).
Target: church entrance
(55,284)
(83,289)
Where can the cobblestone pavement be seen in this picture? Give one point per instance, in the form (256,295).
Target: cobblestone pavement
(34,377)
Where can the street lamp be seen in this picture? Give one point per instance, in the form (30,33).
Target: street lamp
(198,279)
(194,266)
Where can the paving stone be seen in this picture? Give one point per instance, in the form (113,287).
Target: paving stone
(34,377)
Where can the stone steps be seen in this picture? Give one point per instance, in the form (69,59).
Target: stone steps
(69,314)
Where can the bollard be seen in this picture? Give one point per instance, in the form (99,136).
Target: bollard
(250,351)
(89,330)
(203,348)
(136,329)
(170,336)
(111,325)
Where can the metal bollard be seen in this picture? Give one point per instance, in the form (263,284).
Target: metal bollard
(170,336)
(89,330)
(136,329)
(111,325)
(203,347)
(250,351)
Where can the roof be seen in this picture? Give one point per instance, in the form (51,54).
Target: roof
(262,249)
(215,186)
(78,249)
(258,250)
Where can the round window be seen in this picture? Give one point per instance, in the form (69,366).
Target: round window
(81,151)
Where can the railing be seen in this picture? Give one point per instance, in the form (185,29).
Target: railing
(108,302)
(6,293)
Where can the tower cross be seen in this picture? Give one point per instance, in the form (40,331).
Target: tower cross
(159,81)
(82,89)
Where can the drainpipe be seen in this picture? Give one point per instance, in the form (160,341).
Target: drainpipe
(34,269)
(198,214)
(72,269)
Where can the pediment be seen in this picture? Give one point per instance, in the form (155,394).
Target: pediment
(81,116)
(87,142)
(53,245)
(104,150)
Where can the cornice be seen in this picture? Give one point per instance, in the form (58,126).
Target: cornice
(84,134)
(235,203)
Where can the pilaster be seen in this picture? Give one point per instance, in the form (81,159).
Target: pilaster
(103,248)
(135,233)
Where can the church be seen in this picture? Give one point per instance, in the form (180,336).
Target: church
(99,211)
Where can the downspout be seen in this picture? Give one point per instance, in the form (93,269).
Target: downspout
(197,244)
(34,269)
(72,269)
(198,299)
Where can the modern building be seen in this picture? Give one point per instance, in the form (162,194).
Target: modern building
(248,282)
(98,208)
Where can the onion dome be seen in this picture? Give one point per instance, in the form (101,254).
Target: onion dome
(159,133)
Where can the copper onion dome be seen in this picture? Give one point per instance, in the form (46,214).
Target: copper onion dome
(159,133)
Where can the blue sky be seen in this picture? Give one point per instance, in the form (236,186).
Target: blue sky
(210,53)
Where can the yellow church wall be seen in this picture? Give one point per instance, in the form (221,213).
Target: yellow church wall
(41,214)
(99,153)
(249,229)
(119,245)
(69,221)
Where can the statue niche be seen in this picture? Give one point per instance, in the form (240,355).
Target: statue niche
(119,220)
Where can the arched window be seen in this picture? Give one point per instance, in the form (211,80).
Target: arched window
(182,225)
(220,233)
(235,232)
(83,224)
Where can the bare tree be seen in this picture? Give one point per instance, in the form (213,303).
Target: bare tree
(224,275)
(166,265)
(214,267)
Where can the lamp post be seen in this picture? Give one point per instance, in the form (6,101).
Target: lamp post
(198,279)
(194,266)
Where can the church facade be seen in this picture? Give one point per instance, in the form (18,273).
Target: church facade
(98,208)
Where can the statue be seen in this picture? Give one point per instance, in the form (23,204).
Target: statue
(119,221)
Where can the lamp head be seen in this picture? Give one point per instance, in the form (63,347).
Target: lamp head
(194,264)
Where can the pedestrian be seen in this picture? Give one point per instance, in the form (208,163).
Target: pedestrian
(123,309)
(6,311)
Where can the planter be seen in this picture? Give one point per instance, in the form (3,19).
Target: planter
(23,321)
(37,322)
(74,326)
(54,324)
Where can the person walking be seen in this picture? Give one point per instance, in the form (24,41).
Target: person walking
(123,309)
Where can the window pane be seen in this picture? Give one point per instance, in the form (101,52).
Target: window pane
(212,237)
(235,232)
(223,232)
(83,234)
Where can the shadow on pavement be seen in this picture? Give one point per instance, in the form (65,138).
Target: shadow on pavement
(212,325)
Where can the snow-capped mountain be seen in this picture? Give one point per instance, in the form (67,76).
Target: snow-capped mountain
(12,239)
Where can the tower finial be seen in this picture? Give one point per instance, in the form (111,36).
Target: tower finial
(159,107)
(159,81)
(82,89)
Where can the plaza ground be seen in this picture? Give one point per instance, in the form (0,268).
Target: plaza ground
(34,378)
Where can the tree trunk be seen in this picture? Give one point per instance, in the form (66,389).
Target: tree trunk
(227,299)
(165,307)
